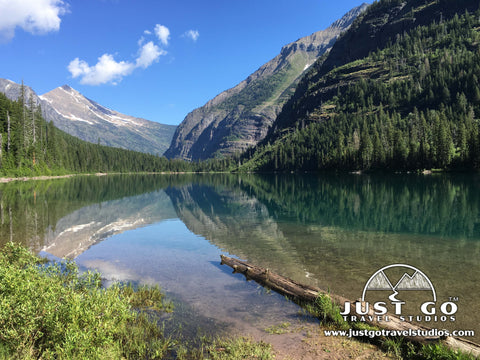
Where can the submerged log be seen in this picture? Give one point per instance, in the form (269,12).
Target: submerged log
(302,293)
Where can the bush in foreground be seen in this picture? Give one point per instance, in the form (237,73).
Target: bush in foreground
(50,311)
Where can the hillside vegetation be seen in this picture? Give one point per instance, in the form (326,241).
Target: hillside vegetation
(412,104)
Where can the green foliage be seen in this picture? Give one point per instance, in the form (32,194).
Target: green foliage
(440,352)
(327,311)
(146,297)
(29,146)
(401,348)
(51,311)
(259,91)
(413,104)
(394,346)
(278,329)
(239,349)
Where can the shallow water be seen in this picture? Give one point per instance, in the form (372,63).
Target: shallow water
(333,231)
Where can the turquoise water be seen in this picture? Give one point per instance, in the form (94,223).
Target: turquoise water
(333,231)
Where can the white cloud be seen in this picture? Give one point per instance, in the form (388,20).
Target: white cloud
(78,67)
(162,33)
(192,34)
(149,53)
(34,16)
(106,70)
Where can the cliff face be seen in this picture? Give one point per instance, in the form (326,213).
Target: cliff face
(240,117)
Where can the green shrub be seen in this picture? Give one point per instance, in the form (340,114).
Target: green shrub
(50,311)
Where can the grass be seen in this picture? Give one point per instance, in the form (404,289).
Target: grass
(239,349)
(278,329)
(51,311)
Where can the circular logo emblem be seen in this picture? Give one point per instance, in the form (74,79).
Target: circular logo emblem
(418,281)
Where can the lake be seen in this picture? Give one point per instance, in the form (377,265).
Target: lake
(332,231)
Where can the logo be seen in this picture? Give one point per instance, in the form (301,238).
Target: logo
(393,283)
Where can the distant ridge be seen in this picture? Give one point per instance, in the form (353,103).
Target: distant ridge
(90,121)
(73,113)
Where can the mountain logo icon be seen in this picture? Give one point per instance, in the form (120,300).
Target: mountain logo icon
(418,281)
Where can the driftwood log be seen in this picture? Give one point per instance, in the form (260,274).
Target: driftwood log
(302,293)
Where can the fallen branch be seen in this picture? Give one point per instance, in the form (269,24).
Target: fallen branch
(303,293)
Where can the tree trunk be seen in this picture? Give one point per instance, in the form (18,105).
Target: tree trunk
(8,132)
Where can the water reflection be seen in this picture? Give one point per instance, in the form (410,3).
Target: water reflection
(335,231)
(188,268)
(332,230)
(76,232)
(54,213)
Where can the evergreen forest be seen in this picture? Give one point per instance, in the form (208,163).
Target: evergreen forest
(411,105)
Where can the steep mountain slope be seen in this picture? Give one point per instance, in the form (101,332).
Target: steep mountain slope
(240,117)
(411,103)
(73,113)
(91,121)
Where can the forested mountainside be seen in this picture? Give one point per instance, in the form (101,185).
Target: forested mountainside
(73,113)
(29,146)
(409,100)
(240,117)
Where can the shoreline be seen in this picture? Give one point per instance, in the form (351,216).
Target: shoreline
(9,179)
(4,180)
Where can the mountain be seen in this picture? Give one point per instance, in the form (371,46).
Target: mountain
(398,91)
(239,118)
(31,146)
(73,113)
(90,121)
(13,91)
(383,24)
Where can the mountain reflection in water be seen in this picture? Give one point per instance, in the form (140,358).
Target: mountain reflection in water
(332,231)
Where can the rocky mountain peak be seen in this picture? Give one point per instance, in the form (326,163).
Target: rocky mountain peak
(67,88)
(346,20)
(90,121)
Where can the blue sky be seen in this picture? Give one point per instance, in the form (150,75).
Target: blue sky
(154,59)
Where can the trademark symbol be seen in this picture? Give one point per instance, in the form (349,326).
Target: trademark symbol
(453,298)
